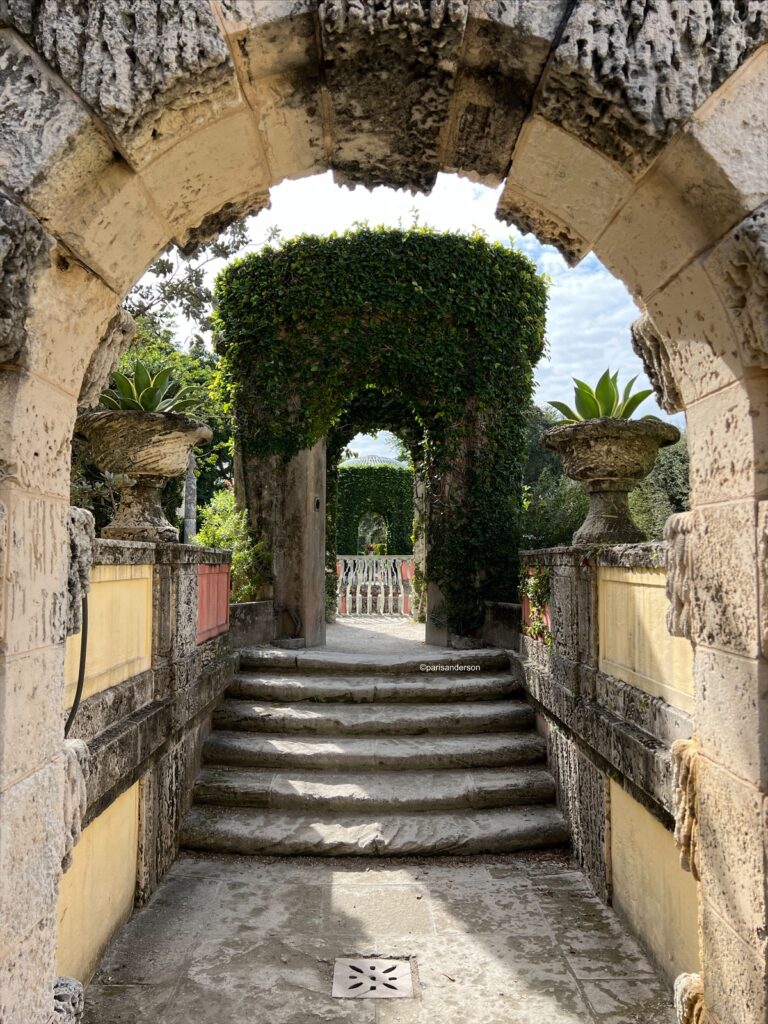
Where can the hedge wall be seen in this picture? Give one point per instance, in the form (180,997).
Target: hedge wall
(386,490)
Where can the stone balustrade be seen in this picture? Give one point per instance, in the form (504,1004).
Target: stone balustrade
(374,584)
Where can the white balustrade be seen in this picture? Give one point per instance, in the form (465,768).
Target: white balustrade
(374,584)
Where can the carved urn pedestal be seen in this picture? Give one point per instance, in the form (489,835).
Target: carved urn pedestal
(145,449)
(608,457)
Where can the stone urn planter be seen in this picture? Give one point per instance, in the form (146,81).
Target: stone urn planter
(608,457)
(144,449)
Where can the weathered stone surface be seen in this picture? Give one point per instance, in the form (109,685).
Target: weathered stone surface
(100,712)
(518,208)
(607,457)
(762,570)
(118,336)
(82,534)
(651,348)
(581,795)
(76,771)
(130,65)
(740,995)
(689,999)
(679,579)
(685,764)
(213,224)
(503,54)
(28,706)
(68,1001)
(627,75)
(24,248)
(251,622)
(739,266)
(387,121)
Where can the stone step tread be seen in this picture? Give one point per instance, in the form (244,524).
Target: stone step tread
(401,791)
(373,719)
(413,688)
(394,753)
(244,831)
(341,663)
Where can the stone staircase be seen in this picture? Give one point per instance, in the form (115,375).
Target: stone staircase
(335,754)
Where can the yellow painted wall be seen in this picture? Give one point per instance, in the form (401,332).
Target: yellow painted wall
(650,889)
(96,894)
(634,643)
(119,629)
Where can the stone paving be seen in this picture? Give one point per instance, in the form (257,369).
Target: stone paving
(518,939)
(376,634)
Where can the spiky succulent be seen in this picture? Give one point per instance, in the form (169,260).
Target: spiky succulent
(604,399)
(141,391)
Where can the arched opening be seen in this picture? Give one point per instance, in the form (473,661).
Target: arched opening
(132,159)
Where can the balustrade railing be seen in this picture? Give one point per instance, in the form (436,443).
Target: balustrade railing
(374,584)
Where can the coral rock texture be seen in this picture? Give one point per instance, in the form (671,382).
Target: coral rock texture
(115,340)
(390,67)
(82,535)
(24,247)
(628,73)
(76,771)
(68,1001)
(128,61)
(677,533)
(741,264)
(652,350)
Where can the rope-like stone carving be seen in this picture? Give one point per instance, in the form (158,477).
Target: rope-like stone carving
(652,350)
(119,334)
(740,263)
(68,1001)
(82,534)
(684,765)
(24,247)
(628,73)
(76,772)
(677,534)
(689,999)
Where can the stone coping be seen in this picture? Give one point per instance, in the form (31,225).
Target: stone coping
(650,554)
(132,552)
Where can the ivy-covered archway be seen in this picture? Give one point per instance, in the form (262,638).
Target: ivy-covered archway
(432,335)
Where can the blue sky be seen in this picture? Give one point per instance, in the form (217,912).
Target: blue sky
(589,310)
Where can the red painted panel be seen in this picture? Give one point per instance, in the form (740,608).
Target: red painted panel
(212,601)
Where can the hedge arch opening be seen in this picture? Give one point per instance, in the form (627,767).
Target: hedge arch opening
(107,158)
(438,335)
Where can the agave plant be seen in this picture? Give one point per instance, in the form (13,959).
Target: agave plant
(603,400)
(141,391)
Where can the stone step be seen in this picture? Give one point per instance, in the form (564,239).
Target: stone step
(374,719)
(422,688)
(246,830)
(391,753)
(319,661)
(327,792)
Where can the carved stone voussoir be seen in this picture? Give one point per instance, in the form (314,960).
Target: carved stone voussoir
(215,223)
(678,535)
(24,247)
(129,61)
(652,350)
(739,266)
(390,67)
(516,209)
(118,336)
(627,75)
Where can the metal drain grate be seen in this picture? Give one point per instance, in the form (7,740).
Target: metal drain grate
(372,979)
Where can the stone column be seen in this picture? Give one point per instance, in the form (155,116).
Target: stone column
(286,506)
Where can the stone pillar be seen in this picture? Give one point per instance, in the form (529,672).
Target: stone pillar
(190,502)
(286,506)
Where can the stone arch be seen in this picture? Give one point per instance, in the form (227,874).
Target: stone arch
(638,130)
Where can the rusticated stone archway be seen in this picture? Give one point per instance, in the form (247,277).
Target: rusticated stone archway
(635,128)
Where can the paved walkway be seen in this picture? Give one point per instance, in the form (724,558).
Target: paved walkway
(492,940)
(376,634)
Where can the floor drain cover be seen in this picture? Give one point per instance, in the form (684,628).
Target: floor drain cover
(372,979)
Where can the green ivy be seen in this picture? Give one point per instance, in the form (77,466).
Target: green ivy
(535,585)
(385,490)
(433,336)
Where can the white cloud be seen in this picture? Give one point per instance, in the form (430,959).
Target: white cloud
(589,310)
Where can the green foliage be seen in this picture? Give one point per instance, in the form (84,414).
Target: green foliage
(554,508)
(665,491)
(142,391)
(386,490)
(605,399)
(433,336)
(225,526)
(535,585)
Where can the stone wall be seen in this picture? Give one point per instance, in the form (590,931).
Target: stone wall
(148,729)
(599,728)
